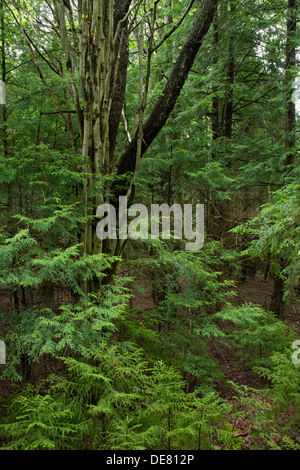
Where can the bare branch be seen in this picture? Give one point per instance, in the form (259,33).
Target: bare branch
(173,29)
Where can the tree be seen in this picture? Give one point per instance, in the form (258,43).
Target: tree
(144,99)
(95,39)
(278,295)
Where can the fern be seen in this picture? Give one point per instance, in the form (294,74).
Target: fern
(72,331)
(38,422)
(256,332)
(285,379)
(119,399)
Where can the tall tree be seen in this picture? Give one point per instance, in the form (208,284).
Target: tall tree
(95,39)
(3,78)
(277,300)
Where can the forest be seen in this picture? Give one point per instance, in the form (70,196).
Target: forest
(149,225)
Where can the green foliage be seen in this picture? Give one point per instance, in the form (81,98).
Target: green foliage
(38,422)
(71,331)
(16,255)
(256,332)
(116,401)
(187,290)
(283,442)
(135,377)
(276,230)
(284,375)
(24,263)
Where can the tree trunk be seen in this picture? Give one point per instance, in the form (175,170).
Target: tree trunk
(173,87)
(220,213)
(290,63)
(98,51)
(3,78)
(277,303)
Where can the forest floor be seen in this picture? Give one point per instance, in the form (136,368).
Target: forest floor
(258,291)
(254,290)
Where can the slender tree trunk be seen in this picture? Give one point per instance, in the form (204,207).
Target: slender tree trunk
(290,63)
(3,78)
(98,52)
(277,304)
(220,215)
(173,87)
(4,135)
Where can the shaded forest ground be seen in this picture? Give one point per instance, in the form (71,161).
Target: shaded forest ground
(254,289)
(258,291)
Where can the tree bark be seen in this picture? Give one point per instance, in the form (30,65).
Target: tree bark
(173,87)
(3,78)
(98,51)
(277,303)
(220,212)
(290,63)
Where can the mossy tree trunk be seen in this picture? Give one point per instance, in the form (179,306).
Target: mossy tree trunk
(94,37)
